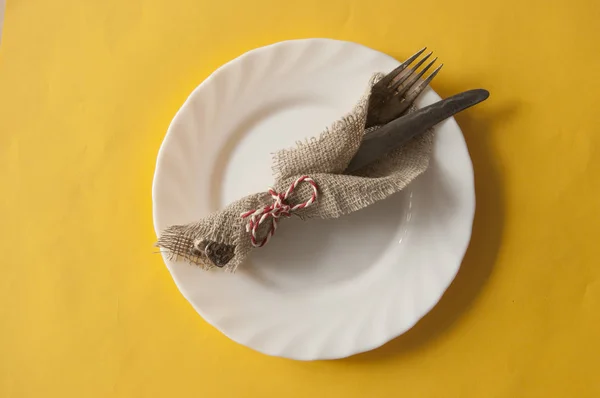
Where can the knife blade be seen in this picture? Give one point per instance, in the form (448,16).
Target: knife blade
(401,130)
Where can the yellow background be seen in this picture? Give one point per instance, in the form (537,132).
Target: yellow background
(87,90)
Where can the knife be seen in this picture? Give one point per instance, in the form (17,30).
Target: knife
(401,130)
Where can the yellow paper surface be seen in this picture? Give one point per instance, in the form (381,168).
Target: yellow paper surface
(87,90)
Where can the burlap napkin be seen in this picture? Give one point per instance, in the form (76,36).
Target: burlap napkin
(313,174)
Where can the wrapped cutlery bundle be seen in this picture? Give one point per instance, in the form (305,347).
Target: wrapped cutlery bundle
(374,151)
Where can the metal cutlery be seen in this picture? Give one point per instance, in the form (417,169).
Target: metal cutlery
(388,123)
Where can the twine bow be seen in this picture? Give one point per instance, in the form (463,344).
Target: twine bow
(279,208)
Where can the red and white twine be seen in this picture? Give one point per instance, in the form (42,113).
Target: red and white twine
(279,208)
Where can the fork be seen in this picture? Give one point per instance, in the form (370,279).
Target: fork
(395,93)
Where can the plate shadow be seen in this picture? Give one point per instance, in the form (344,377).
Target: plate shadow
(484,247)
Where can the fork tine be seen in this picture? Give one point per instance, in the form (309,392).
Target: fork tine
(416,90)
(407,85)
(402,77)
(400,103)
(391,100)
(387,80)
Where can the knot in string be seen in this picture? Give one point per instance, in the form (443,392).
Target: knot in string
(279,208)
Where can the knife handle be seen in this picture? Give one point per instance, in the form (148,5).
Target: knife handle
(399,131)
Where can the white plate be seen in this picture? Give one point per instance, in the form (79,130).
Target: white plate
(319,289)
